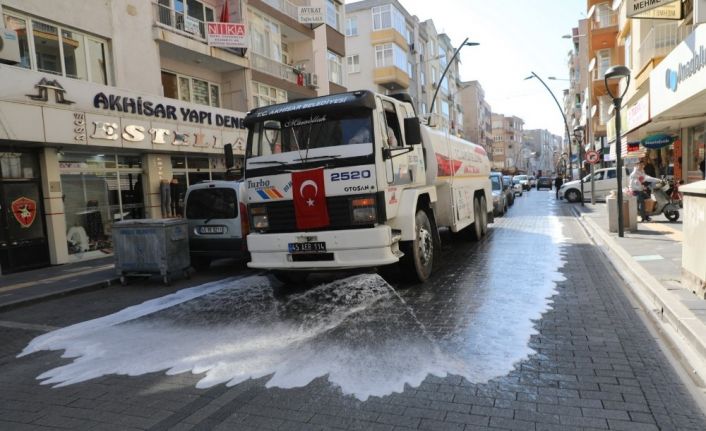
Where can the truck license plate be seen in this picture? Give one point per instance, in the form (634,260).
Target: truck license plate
(307,247)
(211,229)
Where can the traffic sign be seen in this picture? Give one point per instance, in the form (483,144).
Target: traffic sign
(592,157)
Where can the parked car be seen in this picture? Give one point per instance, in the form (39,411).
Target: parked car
(499,197)
(605,180)
(544,183)
(532,181)
(507,183)
(214,216)
(524,180)
(517,186)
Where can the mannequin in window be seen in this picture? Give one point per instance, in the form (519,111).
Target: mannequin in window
(165,196)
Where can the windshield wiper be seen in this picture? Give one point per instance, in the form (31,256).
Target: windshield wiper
(281,163)
(332,156)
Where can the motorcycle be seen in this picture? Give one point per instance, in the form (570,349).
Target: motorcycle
(667,199)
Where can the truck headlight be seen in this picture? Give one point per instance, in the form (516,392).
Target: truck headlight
(259,218)
(363,210)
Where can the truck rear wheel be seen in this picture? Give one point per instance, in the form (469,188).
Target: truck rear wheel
(416,264)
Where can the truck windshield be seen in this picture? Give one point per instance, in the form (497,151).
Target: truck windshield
(298,134)
(212,203)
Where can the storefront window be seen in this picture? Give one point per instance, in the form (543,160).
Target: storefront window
(195,169)
(98,190)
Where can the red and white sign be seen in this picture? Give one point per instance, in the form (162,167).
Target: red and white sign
(309,195)
(25,211)
(227,34)
(592,157)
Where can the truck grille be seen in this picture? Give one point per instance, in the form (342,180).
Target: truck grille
(281,218)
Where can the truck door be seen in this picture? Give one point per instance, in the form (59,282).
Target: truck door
(397,168)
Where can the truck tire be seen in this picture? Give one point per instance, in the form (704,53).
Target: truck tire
(484,215)
(416,264)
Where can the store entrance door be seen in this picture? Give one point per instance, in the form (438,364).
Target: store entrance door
(23,239)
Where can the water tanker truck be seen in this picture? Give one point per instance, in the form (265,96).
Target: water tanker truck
(355,180)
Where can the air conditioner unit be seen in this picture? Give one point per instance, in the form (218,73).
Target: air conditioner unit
(311,80)
(9,47)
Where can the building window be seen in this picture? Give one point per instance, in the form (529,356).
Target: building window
(387,16)
(389,54)
(442,57)
(190,89)
(353,63)
(190,170)
(59,50)
(264,95)
(98,190)
(424,108)
(628,51)
(410,69)
(352,26)
(422,77)
(266,36)
(335,68)
(333,14)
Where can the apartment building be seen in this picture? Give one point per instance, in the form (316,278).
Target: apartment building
(507,137)
(390,50)
(109,114)
(544,149)
(477,118)
(663,114)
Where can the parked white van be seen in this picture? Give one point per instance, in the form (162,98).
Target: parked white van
(213,210)
(605,180)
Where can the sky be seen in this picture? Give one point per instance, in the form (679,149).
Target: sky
(516,37)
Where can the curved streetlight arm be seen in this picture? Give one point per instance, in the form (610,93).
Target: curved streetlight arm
(438,86)
(566,124)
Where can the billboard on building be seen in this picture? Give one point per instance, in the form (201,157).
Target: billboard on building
(227,34)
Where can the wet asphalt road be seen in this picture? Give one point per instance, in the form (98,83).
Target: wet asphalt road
(527,329)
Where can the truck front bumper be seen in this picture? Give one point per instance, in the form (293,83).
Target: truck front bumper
(345,249)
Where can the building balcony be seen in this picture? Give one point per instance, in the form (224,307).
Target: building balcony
(388,35)
(603,29)
(659,42)
(391,77)
(288,8)
(185,39)
(287,77)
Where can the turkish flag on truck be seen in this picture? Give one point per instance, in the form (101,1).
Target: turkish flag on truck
(309,197)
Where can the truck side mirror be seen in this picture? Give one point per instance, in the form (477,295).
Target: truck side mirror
(412,131)
(228,153)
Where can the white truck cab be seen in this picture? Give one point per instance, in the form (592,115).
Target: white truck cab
(355,180)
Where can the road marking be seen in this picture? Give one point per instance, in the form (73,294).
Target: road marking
(670,232)
(52,279)
(27,326)
(648,257)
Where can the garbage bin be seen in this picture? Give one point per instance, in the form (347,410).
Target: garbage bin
(151,247)
(629,212)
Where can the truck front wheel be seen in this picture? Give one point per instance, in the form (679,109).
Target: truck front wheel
(418,253)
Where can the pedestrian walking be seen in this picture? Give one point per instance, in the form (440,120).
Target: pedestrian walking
(558,181)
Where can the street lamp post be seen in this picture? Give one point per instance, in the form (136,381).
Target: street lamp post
(566,124)
(578,134)
(433,99)
(618,72)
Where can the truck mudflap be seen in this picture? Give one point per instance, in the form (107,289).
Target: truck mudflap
(329,250)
